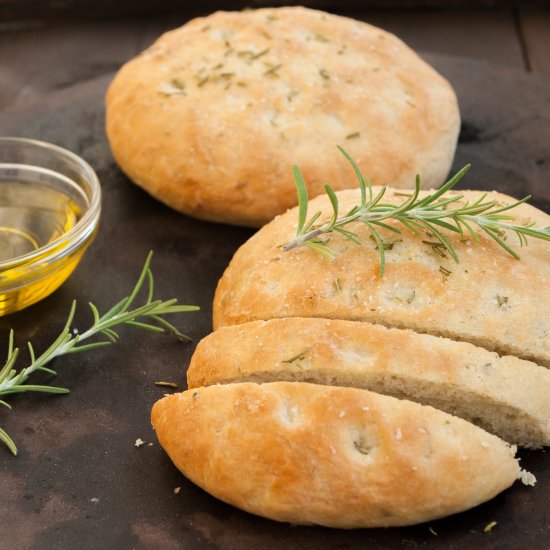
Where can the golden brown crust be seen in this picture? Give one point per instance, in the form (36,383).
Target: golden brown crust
(211,118)
(339,457)
(489,298)
(504,395)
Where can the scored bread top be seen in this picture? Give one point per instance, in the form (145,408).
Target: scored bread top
(489,298)
(211,117)
(339,457)
(504,395)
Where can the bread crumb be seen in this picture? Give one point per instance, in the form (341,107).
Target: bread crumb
(139,442)
(527,478)
(365,409)
(398,434)
(431,530)
(342,414)
(177,490)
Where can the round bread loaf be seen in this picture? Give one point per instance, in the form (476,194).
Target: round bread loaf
(340,457)
(211,118)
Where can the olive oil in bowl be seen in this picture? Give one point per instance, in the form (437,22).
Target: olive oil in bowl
(33,215)
(49,210)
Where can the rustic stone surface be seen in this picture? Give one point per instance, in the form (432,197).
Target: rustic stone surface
(80,482)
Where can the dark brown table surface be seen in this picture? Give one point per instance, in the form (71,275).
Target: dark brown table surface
(79,481)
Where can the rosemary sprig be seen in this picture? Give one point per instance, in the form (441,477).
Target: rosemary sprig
(148,316)
(435,214)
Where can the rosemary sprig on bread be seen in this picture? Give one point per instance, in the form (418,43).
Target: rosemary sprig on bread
(149,316)
(430,215)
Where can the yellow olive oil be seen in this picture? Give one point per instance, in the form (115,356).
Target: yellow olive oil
(33,215)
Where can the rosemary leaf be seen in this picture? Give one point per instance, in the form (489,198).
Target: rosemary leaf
(5,438)
(302,198)
(298,357)
(334,201)
(21,388)
(322,249)
(164,384)
(360,178)
(380,246)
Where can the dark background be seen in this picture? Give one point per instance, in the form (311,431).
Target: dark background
(27,9)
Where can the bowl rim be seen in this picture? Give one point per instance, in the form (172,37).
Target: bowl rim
(83,228)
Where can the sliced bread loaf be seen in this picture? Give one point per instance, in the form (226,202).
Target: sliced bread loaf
(505,395)
(489,298)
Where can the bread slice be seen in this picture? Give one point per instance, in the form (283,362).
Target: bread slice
(339,457)
(504,395)
(489,298)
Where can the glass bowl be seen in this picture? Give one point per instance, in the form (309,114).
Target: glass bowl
(50,202)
